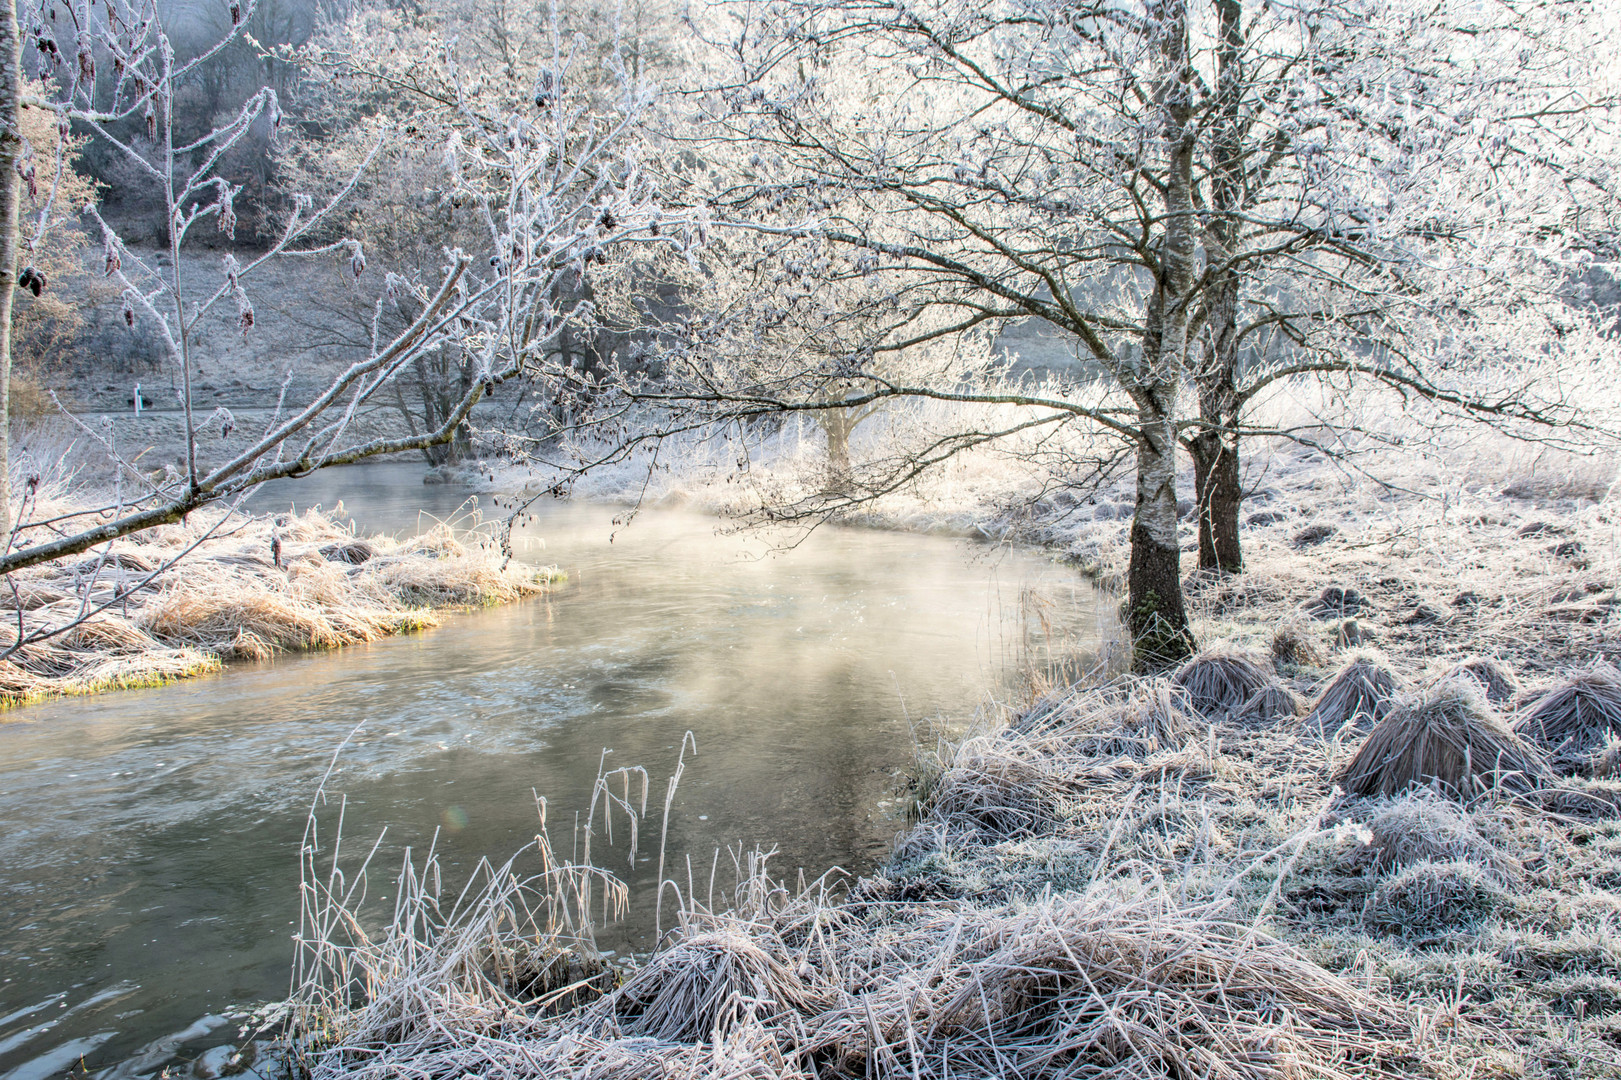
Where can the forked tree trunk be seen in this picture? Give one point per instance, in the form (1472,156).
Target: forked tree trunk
(1156,615)
(11,82)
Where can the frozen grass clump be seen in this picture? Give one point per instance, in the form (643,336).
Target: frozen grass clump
(1578,798)
(1005,787)
(1421,827)
(1446,736)
(1221,680)
(1495,681)
(1576,718)
(1432,898)
(1137,985)
(708,984)
(1605,762)
(1152,716)
(1295,642)
(1070,708)
(1269,704)
(1359,695)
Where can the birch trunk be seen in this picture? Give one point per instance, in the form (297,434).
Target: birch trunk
(1157,617)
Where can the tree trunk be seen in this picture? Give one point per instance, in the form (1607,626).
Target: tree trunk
(1218,491)
(1219,496)
(11,80)
(838,424)
(1156,615)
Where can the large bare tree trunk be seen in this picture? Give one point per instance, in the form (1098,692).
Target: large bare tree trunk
(1156,615)
(1217,486)
(11,83)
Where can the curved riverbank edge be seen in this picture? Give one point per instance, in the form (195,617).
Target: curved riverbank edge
(1267,864)
(178,601)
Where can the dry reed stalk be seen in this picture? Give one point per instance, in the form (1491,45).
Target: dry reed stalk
(1446,736)
(1575,719)
(1359,695)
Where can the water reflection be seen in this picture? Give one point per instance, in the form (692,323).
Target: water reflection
(149,838)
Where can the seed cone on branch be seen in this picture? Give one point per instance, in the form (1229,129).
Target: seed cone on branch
(1574,719)
(1446,737)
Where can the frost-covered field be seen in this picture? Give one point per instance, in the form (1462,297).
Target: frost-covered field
(1446,534)
(1225,872)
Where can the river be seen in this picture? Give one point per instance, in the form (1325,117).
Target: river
(149,838)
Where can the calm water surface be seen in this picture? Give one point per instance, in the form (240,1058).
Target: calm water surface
(148,839)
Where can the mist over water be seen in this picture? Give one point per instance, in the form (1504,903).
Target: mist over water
(149,839)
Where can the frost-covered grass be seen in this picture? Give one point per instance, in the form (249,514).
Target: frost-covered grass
(1106,877)
(178,600)
(1142,878)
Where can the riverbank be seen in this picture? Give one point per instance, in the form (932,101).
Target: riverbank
(180,600)
(1224,873)
(1128,877)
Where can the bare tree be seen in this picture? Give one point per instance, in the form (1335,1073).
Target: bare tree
(1371,178)
(378,99)
(1215,200)
(551,188)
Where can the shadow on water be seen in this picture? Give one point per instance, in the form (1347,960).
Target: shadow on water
(149,838)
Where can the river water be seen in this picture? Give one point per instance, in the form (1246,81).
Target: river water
(149,838)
